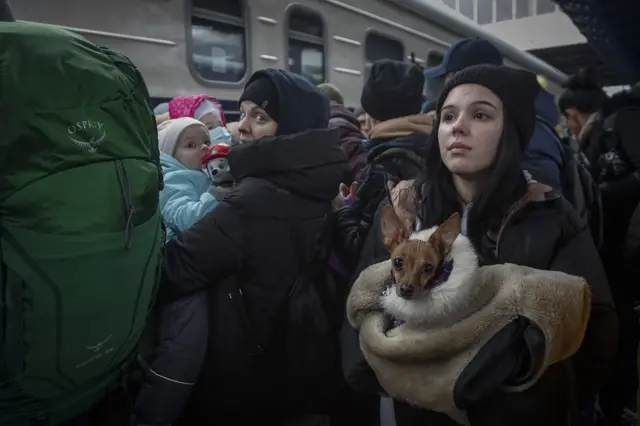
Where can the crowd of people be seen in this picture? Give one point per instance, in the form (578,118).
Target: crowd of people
(298,150)
(269,221)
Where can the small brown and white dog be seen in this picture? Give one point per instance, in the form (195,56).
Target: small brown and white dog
(432,272)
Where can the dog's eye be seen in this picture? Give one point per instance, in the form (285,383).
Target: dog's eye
(398,262)
(428,269)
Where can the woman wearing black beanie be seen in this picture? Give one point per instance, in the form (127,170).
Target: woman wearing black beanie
(485,117)
(251,250)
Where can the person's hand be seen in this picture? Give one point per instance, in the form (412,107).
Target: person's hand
(345,195)
(349,192)
(404,200)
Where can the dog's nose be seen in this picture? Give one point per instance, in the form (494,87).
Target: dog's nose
(406,291)
(214,172)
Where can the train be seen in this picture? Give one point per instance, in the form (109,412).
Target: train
(213,46)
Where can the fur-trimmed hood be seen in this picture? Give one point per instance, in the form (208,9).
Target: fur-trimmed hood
(422,365)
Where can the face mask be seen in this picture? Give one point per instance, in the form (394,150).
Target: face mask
(220,135)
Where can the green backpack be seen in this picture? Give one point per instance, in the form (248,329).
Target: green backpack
(80,232)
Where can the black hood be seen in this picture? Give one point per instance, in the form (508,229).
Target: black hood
(301,105)
(310,163)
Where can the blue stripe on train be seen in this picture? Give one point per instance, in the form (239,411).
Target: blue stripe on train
(230,107)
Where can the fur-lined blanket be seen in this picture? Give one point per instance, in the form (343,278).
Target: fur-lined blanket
(421,366)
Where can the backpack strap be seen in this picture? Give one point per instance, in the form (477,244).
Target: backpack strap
(321,249)
(318,268)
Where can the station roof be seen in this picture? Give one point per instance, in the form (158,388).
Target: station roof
(612,30)
(569,59)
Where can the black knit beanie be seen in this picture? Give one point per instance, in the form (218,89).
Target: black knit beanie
(263,93)
(517,89)
(393,90)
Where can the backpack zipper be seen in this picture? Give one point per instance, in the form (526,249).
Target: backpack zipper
(127,199)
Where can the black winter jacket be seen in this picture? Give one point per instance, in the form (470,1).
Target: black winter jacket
(612,147)
(544,235)
(243,253)
(392,160)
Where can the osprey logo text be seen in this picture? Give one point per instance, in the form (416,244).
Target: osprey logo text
(98,346)
(87,134)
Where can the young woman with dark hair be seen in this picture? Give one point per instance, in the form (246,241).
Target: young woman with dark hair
(503,183)
(485,118)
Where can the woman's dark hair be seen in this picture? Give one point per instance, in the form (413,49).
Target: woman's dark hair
(506,185)
(582,92)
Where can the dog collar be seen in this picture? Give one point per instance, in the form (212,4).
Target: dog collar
(442,274)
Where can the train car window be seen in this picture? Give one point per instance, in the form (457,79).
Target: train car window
(504,10)
(377,47)
(306,23)
(466,8)
(450,3)
(485,12)
(523,9)
(545,6)
(306,45)
(218,40)
(227,7)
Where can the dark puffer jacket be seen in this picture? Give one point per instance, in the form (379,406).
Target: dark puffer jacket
(611,145)
(244,254)
(614,153)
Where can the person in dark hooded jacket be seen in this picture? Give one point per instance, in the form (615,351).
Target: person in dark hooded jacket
(249,251)
(351,136)
(607,131)
(392,99)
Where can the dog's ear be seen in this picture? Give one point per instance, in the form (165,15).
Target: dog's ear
(444,236)
(393,230)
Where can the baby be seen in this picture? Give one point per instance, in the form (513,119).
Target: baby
(183,325)
(185,197)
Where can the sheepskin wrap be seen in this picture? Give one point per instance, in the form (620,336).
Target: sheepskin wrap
(421,366)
